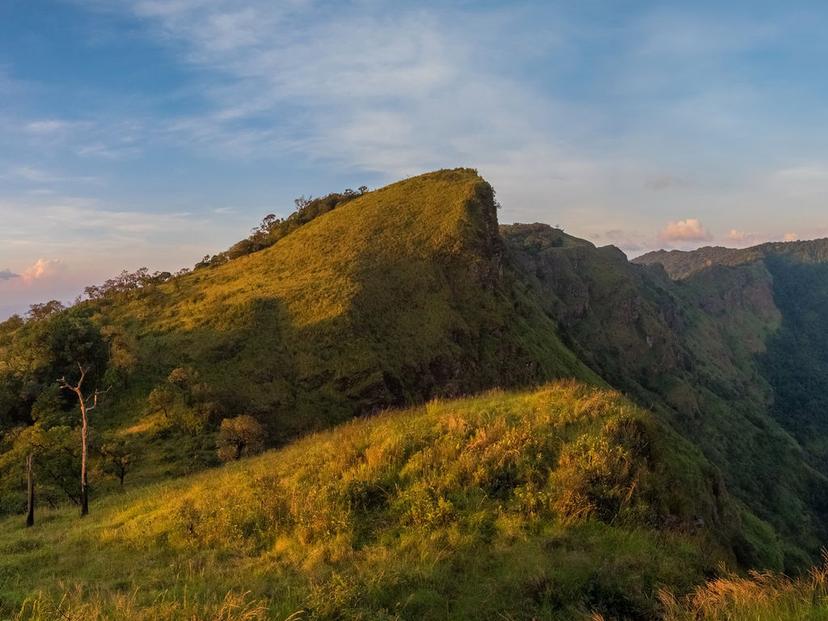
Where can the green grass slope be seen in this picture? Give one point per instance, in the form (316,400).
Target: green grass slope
(555,503)
(792,357)
(395,297)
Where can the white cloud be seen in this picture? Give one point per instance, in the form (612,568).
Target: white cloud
(738,236)
(789,237)
(43,269)
(744,239)
(689,230)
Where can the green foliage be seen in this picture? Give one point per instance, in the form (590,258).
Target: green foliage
(56,453)
(35,354)
(119,456)
(240,436)
(796,361)
(187,403)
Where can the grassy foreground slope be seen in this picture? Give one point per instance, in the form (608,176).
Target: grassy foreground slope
(555,503)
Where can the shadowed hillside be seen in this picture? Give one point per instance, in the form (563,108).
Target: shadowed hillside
(695,351)
(794,361)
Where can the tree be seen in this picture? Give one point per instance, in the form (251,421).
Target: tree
(47,309)
(118,457)
(302,202)
(85,408)
(162,399)
(22,444)
(242,435)
(30,496)
(42,458)
(188,404)
(122,355)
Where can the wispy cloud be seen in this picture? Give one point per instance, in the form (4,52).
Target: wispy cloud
(51,127)
(38,175)
(7,274)
(394,93)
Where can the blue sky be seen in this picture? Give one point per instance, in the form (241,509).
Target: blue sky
(151,132)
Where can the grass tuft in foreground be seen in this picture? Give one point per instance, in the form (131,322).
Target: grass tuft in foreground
(760,596)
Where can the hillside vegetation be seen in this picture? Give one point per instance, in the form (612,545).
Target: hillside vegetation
(697,352)
(396,296)
(461,490)
(553,503)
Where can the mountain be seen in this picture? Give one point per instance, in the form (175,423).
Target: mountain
(406,307)
(794,279)
(395,297)
(682,264)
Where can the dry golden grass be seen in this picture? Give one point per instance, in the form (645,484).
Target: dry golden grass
(759,596)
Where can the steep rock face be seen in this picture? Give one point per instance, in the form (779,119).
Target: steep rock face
(617,316)
(692,349)
(774,299)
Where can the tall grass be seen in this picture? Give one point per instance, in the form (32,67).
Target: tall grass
(76,604)
(760,596)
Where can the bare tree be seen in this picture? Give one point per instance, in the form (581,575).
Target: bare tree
(85,408)
(30,513)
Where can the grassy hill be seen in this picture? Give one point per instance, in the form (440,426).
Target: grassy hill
(554,503)
(561,502)
(397,296)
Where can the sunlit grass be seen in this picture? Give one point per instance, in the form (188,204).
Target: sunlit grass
(760,596)
(506,503)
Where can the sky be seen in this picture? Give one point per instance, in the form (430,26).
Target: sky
(152,132)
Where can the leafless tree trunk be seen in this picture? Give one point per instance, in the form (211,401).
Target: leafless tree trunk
(85,409)
(30,515)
